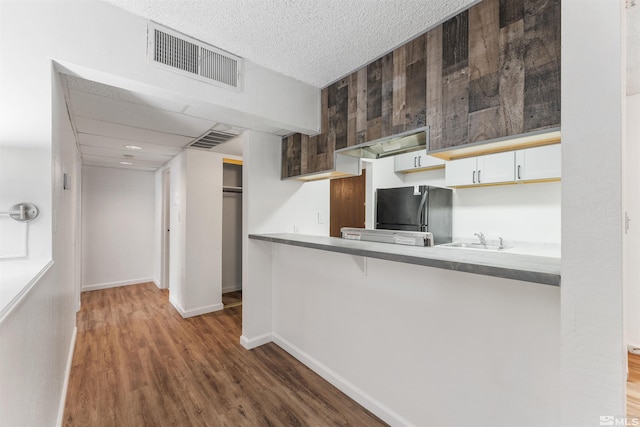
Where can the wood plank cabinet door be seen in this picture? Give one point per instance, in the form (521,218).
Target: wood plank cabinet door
(500,72)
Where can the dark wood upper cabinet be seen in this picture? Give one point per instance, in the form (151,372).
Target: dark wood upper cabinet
(490,72)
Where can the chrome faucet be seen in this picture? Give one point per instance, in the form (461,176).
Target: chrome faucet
(480,237)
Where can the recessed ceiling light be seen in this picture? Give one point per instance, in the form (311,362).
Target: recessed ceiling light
(133,147)
(126,163)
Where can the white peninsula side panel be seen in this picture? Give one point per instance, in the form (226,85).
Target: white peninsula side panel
(419,345)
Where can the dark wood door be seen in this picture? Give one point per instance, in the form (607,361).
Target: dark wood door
(347,203)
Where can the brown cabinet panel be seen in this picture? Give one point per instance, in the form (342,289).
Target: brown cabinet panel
(490,71)
(434,86)
(511,91)
(455,42)
(386,98)
(291,155)
(542,65)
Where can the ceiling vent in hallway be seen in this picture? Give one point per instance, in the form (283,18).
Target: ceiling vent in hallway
(212,139)
(177,52)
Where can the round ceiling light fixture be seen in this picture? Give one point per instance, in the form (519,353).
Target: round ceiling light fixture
(133,147)
(126,163)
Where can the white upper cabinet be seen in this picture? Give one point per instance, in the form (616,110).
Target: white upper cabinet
(539,163)
(461,172)
(489,169)
(416,161)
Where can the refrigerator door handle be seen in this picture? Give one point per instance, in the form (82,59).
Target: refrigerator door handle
(423,202)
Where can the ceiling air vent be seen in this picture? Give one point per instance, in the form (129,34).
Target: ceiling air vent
(211,139)
(177,52)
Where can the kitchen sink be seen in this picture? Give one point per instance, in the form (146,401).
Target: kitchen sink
(463,245)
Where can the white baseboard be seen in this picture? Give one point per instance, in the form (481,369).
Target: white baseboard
(383,412)
(232,288)
(194,311)
(250,343)
(87,288)
(67,373)
(157,283)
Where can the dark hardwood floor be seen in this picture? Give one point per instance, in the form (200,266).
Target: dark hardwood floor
(138,363)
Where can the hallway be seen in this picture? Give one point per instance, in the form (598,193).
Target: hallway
(138,363)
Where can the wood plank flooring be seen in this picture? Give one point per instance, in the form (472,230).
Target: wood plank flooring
(138,363)
(232,299)
(633,386)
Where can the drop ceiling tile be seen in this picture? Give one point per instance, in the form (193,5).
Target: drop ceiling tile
(119,144)
(114,162)
(128,114)
(114,130)
(119,166)
(121,153)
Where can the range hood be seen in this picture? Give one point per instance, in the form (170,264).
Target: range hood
(413,140)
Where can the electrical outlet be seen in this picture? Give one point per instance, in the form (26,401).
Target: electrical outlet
(321,217)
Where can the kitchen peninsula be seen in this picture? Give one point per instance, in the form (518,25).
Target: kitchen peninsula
(410,332)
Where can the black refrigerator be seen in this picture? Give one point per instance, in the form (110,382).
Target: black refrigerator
(417,208)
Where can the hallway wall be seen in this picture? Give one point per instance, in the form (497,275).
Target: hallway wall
(118,214)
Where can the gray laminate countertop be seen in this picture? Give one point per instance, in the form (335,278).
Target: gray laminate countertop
(517,266)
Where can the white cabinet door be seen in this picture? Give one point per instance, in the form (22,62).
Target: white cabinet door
(496,168)
(415,160)
(405,162)
(539,163)
(460,172)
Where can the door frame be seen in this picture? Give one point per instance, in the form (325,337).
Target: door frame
(165,251)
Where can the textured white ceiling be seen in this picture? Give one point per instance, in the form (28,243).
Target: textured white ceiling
(314,41)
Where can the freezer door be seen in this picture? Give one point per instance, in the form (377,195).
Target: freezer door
(439,214)
(400,208)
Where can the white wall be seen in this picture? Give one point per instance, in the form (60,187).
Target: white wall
(38,334)
(526,212)
(117,227)
(631,204)
(23,170)
(518,212)
(195,283)
(593,351)
(178,233)
(158,229)
(270,206)
(422,346)
(203,217)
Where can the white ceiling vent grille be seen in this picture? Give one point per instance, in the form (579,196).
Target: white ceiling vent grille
(177,52)
(211,139)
